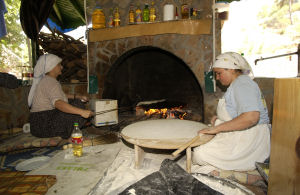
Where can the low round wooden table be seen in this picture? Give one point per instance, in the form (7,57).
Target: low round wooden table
(163,134)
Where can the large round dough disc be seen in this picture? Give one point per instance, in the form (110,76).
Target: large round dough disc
(163,129)
(163,133)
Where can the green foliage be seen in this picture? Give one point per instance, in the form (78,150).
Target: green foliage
(68,13)
(13,45)
(283,20)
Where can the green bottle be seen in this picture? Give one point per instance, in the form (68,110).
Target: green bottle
(146,13)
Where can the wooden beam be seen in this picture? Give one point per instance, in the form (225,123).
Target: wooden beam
(188,27)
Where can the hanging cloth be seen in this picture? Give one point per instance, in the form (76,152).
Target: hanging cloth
(3,11)
(33,16)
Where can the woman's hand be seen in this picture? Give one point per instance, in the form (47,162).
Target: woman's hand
(209,130)
(84,98)
(86,113)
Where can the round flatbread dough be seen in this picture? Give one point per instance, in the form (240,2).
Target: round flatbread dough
(163,129)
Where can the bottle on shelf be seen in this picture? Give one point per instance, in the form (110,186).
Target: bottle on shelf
(194,14)
(138,14)
(98,18)
(131,18)
(184,11)
(176,13)
(191,13)
(152,12)
(110,22)
(146,13)
(117,20)
(77,141)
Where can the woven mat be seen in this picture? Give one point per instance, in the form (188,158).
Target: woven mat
(26,140)
(15,183)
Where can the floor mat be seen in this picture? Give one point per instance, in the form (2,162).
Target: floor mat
(26,140)
(14,183)
(8,161)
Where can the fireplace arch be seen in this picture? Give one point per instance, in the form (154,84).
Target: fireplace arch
(150,73)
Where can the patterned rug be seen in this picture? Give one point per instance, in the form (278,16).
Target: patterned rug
(9,160)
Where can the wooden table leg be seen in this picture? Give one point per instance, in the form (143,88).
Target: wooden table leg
(139,156)
(188,159)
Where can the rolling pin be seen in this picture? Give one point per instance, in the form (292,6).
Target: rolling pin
(186,145)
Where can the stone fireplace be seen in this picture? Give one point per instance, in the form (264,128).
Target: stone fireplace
(149,73)
(155,65)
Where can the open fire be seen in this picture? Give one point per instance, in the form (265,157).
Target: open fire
(167,113)
(161,109)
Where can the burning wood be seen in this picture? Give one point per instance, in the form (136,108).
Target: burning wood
(167,113)
(161,109)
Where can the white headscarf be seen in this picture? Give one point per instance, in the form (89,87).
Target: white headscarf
(44,65)
(232,60)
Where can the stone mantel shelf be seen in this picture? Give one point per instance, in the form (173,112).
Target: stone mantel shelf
(188,27)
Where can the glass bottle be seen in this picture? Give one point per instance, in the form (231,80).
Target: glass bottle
(138,14)
(152,12)
(77,141)
(176,14)
(146,13)
(30,75)
(184,11)
(110,22)
(117,20)
(131,18)
(98,18)
(194,14)
(25,76)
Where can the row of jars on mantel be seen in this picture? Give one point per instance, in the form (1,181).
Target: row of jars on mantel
(136,15)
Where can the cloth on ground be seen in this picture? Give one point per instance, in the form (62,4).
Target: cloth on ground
(10,160)
(170,179)
(121,174)
(80,173)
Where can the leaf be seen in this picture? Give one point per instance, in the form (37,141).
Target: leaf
(68,13)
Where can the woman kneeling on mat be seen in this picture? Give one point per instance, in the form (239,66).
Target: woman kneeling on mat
(242,123)
(51,113)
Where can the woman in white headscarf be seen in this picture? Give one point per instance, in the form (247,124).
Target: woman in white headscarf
(242,123)
(51,113)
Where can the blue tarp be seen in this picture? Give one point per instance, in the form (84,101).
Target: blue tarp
(53,26)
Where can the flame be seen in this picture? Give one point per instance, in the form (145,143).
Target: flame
(156,111)
(166,113)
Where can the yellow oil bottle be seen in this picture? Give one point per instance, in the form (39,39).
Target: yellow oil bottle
(98,18)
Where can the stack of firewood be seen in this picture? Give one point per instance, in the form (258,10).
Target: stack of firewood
(72,51)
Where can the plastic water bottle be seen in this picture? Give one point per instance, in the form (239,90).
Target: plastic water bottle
(77,141)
